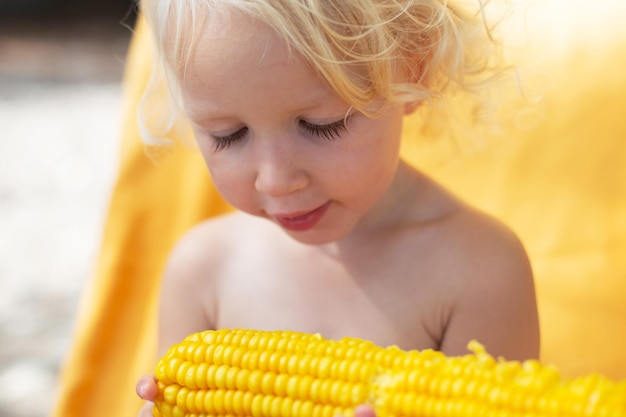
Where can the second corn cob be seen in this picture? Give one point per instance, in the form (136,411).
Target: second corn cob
(250,373)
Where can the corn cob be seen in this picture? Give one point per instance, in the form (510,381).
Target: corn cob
(287,374)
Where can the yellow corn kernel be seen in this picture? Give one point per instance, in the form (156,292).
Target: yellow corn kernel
(247,373)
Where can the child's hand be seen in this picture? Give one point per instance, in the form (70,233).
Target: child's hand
(364,411)
(146,389)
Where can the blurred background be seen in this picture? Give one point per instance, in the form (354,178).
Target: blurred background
(61,63)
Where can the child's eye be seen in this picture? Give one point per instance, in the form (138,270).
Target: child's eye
(328,131)
(223,142)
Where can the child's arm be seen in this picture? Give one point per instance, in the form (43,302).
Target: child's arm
(496,303)
(186,301)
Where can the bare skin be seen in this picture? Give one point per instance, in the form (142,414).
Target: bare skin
(448,276)
(391,257)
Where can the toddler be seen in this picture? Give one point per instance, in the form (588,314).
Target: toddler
(297,107)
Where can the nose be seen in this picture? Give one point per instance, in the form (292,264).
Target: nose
(279,172)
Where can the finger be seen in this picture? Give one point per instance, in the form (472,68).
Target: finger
(364,410)
(146,410)
(146,388)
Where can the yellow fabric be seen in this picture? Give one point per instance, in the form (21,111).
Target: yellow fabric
(561,185)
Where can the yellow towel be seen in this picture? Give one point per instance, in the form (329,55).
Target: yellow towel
(560,183)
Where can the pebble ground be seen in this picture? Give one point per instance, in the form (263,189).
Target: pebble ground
(60,98)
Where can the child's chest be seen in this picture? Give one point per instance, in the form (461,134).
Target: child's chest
(379,298)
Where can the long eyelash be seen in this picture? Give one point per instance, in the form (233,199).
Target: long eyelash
(223,142)
(330,131)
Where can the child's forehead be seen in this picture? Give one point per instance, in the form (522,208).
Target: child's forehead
(230,40)
(227,34)
(241,30)
(214,40)
(237,56)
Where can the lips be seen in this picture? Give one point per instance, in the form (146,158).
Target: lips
(299,222)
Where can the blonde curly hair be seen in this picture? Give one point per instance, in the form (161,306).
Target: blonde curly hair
(445,44)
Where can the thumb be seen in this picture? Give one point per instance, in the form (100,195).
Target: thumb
(146,388)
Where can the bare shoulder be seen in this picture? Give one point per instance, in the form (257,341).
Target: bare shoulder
(483,275)
(495,302)
(190,281)
(484,243)
(204,245)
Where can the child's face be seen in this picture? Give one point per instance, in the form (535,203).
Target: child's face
(272,134)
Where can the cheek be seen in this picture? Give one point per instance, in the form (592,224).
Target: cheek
(379,147)
(379,157)
(229,179)
(226,184)
(364,173)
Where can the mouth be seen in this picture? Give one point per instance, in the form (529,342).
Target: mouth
(299,222)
